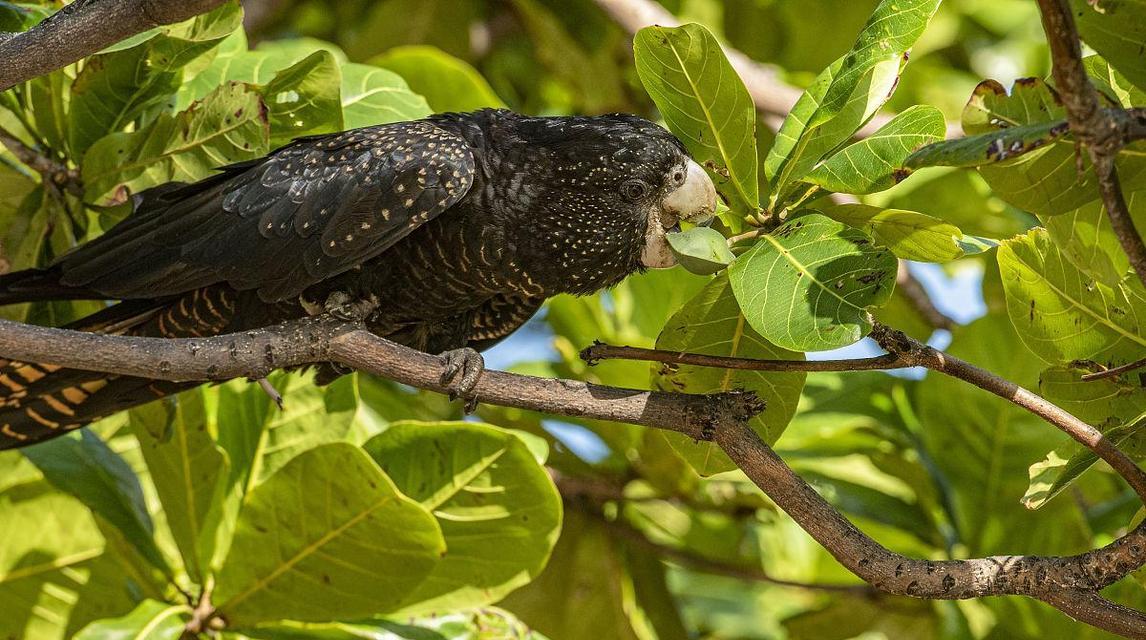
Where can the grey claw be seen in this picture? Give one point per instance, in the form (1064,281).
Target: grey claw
(470,365)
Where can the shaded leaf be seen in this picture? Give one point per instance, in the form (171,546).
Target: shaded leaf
(1116,29)
(807,286)
(705,104)
(712,324)
(497,507)
(876,162)
(701,250)
(986,148)
(376,96)
(910,235)
(328,517)
(447,83)
(304,99)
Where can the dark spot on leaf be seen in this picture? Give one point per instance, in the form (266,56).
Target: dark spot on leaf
(871,277)
(901,174)
(325,579)
(1032,313)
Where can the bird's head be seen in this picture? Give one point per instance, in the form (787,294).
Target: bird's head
(607,190)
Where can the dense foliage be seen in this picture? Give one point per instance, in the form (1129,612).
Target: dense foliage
(368,510)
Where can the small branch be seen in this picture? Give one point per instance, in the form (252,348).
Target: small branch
(919,354)
(52,172)
(1114,372)
(773,97)
(911,288)
(1093,609)
(1102,133)
(85,27)
(600,351)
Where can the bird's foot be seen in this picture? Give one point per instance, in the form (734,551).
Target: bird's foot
(345,307)
(470,365)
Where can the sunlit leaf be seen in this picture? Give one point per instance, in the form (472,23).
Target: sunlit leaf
(712,324)
(329,517)
(704,103)
(807,286)
(447,83)
(376,96)
(304,99)
(491,498)
(910,235)
(1086,238)
(876,163)
(151,620)
(1116,29)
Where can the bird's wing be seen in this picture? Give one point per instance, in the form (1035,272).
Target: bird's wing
(308,211)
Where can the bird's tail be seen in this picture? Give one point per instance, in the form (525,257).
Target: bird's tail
(39,402)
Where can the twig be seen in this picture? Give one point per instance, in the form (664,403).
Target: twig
(85,27)
(911,288)
(1114,371)
(1102,134)
(773,97)
(52,172)
(722,418)
(601,351)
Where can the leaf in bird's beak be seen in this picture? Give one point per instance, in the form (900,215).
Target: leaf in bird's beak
(701,250)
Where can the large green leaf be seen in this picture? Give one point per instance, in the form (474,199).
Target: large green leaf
(1116,29)
(848,92)
(447,83)
(377,96)
(712,323)
(497,507)
(114,88)
(876,162)
(808,285)
(187,469)
(704,103)
(151,620)
(910,235)
(304,99)
(81,464)
(54,573)
(1064,315)
(326,537)
(1044,180)
(1086,238)
(229,125)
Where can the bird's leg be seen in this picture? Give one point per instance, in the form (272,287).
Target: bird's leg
(470,365)
(344,306)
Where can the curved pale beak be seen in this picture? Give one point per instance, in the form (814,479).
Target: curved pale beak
(693,201)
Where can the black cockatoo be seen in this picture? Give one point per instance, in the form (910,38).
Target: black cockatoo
(444,234)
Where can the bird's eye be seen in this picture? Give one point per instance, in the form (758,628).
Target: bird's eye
(634,189)
(678,177)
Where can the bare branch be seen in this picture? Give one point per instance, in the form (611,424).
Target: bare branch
(52,172)
(85,27)
(600,351)
(1114,372)
(1093,609)
(1101,133)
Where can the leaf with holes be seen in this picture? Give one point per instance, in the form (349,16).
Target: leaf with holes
(712,324)
(705,104)
(808,285)
(1061,313)
(498,509)
(876,162)
(328,536)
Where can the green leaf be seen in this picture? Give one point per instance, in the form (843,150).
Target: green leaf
(1063,315)
(376,96)
(1110,81)
(82,465)
(114,88)
(987,148)
(807,286)
(1086,238)
(229,125)
(151,620)
(15,16)
(497,507)
(1116,29)
(910,235)
(876,162)
(848,92)
(447,83)
(304,99)
(187,469)
(712,324)
(1052,475)
(701,250)
(328,536)
(705,104)
(1045,180)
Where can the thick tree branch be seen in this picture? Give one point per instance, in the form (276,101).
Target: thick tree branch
(1101,133)
(85,27)
(721,418)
